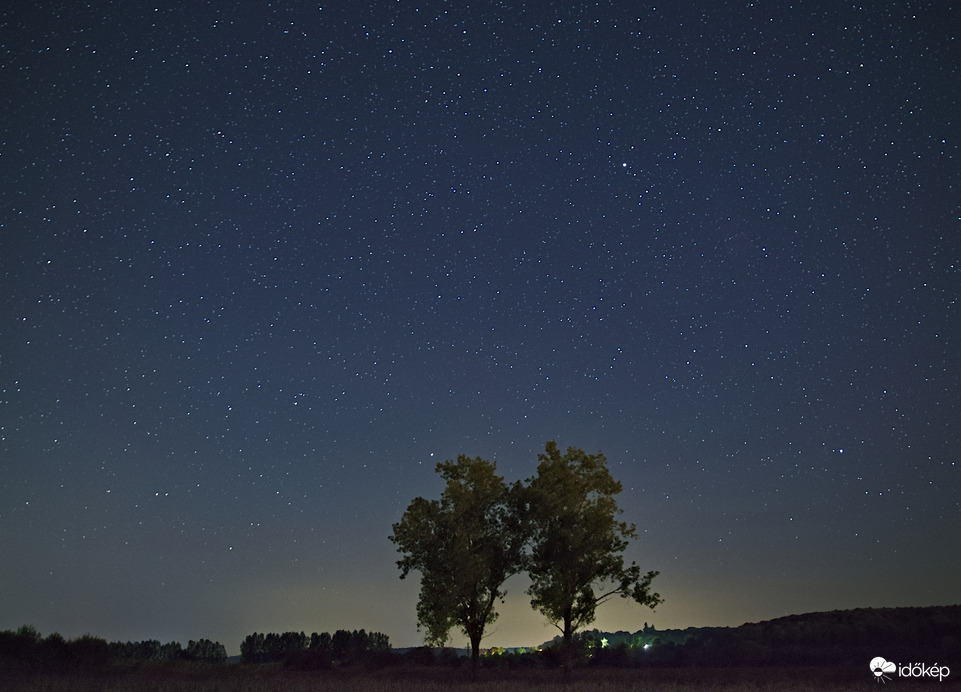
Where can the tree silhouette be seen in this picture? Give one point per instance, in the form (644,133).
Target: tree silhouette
(206,650)
(465,546)
(577,544)
(297,650)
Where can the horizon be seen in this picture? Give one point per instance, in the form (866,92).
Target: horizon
(460,642)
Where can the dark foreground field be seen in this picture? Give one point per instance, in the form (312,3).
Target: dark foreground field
(247,679)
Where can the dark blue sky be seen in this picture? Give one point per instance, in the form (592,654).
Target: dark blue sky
(264,266)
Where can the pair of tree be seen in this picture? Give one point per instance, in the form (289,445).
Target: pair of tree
(560,527)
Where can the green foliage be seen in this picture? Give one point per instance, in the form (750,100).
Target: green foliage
(28,633)
(25,649)
(469,542)
(206,650)
(149,650)
(577,544)
(90,652)
(465,546)
(297,650)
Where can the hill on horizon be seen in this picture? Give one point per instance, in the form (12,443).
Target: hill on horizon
(826,637)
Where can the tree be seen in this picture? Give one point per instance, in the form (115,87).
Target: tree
(253,649)
(577,544)
(90,652)
(206,650)
(465,547)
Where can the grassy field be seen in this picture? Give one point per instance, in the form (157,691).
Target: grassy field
(263,679)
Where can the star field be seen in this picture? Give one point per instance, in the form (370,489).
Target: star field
(262,267)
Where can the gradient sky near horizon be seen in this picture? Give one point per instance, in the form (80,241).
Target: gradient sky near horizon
(263,266)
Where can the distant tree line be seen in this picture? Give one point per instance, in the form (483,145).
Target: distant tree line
(153,650)
(848,637)
(26,649)
(298,650)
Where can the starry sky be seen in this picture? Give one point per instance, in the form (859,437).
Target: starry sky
(263,266)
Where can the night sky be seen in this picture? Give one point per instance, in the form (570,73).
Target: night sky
(263,266)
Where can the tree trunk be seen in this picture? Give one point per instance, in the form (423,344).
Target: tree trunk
(568,658)
(474,657)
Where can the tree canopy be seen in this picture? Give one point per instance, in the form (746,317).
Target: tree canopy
(561,526)
(577,543)
(465,547)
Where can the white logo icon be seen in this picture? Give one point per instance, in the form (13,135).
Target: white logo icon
(879,667)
